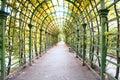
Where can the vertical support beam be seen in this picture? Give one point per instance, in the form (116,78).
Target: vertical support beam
(103,15)
(84,43)
(77,43)
(47,37)
(20,42)
(50,39)
(73,42)
(3,16)
(35,43)
(40,42)
(46,41)
(30,44)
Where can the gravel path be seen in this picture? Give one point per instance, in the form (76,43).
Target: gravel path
(57,64)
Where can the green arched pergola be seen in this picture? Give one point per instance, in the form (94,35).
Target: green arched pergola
(91,28)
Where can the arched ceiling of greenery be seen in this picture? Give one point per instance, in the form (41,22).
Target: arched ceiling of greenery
(49,15)
(55,16)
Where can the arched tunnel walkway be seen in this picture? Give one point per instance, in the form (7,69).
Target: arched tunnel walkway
(90,28)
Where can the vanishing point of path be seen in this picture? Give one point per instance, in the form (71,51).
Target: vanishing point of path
(57,64)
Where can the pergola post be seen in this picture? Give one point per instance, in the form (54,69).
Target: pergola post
(3,16)
(77,43)
(103,15)
(49,40)
(40,42)
(46,41)
(30,44)
(73,41)
(84,43)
